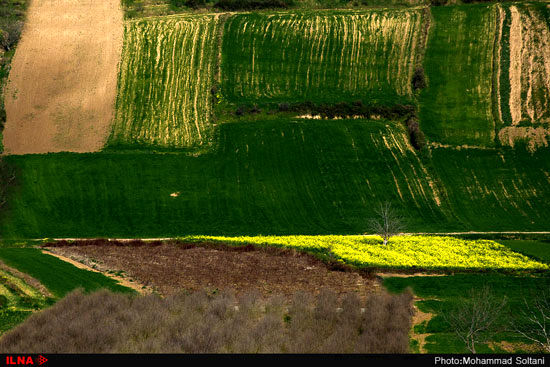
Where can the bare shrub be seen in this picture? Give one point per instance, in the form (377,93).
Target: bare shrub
(417,137)
(203,322)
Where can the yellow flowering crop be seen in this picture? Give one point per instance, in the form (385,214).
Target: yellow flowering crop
(427,252)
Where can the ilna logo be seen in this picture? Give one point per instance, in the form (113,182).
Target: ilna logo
(25,360)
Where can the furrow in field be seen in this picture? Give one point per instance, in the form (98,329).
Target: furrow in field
(322,58)
(529,77)
(167,71)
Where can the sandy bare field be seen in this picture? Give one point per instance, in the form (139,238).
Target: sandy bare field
(62,86)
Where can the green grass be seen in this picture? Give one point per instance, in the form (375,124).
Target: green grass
(504,190)
(56,275)
(443,293)
(322,57)
(536,249)
(278,176)
(456,107)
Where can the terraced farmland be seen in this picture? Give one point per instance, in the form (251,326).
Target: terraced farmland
(320,57)
(167,70)
(456,108)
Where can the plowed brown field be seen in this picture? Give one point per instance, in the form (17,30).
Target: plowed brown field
(62,87)
(169,268)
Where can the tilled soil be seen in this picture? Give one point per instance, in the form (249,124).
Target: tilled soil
(62,86)
(170,268)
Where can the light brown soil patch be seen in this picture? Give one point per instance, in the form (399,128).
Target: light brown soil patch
(170,268)
(420,317)
(534,137)
(62,86)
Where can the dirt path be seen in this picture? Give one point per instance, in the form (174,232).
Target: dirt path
(62,86)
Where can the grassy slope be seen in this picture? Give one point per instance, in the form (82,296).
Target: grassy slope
(166,74)
(456,107)
(449,290)
(496,189)
(320,56)
(277,177)
(274,176)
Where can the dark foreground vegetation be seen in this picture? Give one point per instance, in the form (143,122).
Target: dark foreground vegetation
(139,8)
(508,313)
(104,322)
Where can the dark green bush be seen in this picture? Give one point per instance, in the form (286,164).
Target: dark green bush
(418,79)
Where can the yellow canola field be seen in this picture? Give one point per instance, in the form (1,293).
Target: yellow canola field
(423,252)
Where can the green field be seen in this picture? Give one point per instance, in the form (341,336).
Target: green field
(456,108)
(441,294)
(502,189)
(320,57)
(167,70)
(533,248)
(278,176)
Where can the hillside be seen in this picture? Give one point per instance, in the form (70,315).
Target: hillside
(217,127)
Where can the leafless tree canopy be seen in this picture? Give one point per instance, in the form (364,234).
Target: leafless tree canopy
(104,322)
(475,318)
(387,222)
(533,321)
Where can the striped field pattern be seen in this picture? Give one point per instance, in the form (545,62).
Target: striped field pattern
(524,77)
(456,108)
(529,64)
(167,71)
(320,57)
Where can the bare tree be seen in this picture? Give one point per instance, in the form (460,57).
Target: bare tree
(387,222)
(533,321)
(475,319)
